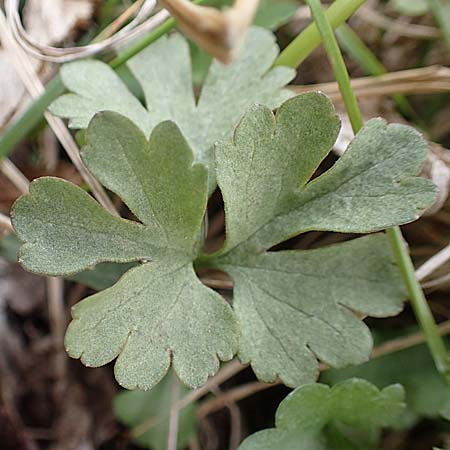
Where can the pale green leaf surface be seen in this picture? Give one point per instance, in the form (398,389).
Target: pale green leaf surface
(139,408)
(158,313)
(65,230)
(101,276)
(156,179)
(164,72)
(372,187)
(303,415)
(95,87)
(294,307)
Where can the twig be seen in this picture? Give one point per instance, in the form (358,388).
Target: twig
(35,88)
(436,261)
(436,282)
(227,372)
(174,416)
(15,175)
(246,390)
(235,420)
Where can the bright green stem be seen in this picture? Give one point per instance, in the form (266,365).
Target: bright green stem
(33,115)
(417,298)
(337,61)
(364,57)
(309,39)
(419,303)
(442,17)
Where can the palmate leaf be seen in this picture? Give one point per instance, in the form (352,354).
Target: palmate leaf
(292,307)
(164,72)
(296,307)
(158,311)
(303,417)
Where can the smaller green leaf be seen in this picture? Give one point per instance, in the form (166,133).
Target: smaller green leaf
(303,415)
(426,392)
(150,410)
(95,87)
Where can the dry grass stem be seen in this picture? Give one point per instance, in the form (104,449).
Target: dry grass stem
(15,175)
(436,261)
(142,23)
(174,416)
(220,33)
(246,390)
(427,80)
(411,30)
(35,88)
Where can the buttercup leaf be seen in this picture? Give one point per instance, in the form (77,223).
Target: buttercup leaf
(303,416)
(289,311)
(158,312)
(164,72)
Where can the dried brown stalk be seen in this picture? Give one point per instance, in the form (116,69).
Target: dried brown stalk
(220,33)
(35,88)
(244,391)
(427,80)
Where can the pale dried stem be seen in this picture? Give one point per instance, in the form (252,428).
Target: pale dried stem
(56,313)
(427,80)
(5,224)
(174,416)
(35,88)
(228,371)
(436,282)
(15,175)
(436,261)
(235,420)
(246,390)
(142,23)
(369,15)
(220,33)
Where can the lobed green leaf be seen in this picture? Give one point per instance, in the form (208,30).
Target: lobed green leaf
(303,416)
